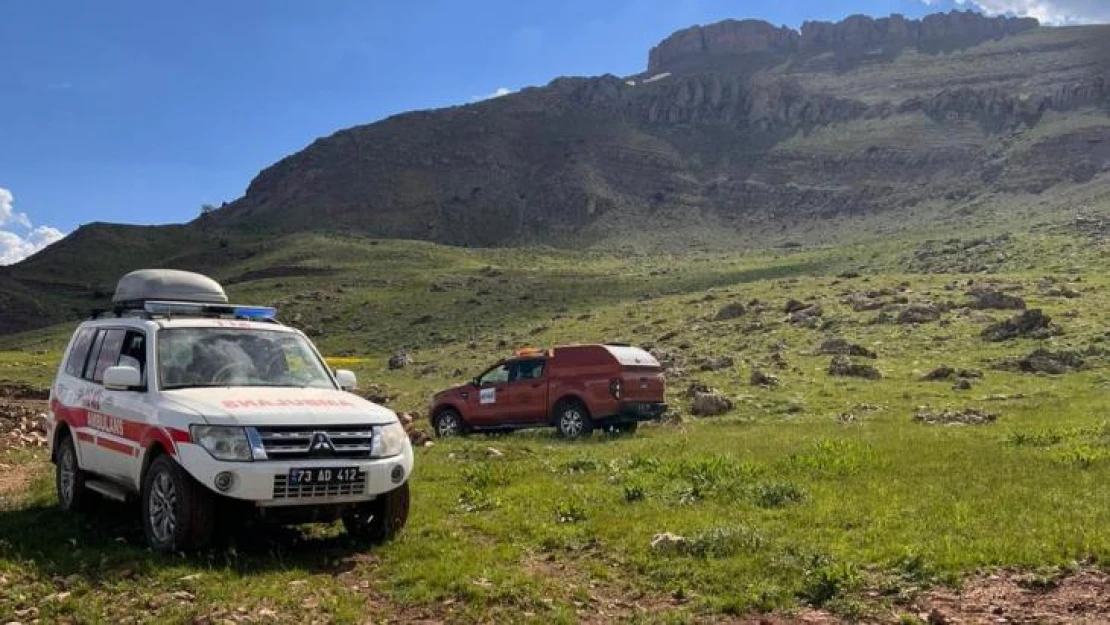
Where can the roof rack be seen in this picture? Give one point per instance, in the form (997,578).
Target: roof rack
(159,309)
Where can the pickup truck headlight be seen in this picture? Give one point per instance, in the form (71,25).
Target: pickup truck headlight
(223,442)
(389,440)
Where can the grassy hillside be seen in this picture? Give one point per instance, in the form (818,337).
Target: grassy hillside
(823,493)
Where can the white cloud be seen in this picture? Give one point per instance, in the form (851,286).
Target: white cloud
(497,93)
(21,238)
(8,214)
(1047,11)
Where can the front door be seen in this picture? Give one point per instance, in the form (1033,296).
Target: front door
(489,405)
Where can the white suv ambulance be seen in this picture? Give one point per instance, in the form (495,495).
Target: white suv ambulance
(179,398)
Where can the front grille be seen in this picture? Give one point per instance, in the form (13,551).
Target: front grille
(282,489)
(299,442)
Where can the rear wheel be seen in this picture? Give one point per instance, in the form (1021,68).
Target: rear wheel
(69,478)
(379,520)
(449,423)
(178,513)
(572,419)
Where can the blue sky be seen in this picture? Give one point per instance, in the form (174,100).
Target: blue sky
(138,111)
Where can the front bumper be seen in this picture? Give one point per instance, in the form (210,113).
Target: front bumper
(264,482)
(641,411)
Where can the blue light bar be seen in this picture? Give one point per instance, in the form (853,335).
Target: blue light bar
(255,312)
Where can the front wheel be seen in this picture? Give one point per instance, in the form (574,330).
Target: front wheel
(379,520)
(573,420)
(69,478)
(449,423)
(178,513)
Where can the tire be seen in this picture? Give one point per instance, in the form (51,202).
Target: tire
(623,429)
(449,423)
(380,520)
(68,477)
(178,513)
(572,419)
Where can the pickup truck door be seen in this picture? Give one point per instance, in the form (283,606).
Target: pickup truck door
(528,391)
(489,404)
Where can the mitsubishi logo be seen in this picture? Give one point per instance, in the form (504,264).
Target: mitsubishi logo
(321,442)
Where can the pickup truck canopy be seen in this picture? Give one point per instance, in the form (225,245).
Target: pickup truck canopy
(632,356)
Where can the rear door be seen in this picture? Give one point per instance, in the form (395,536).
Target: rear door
(527,390)
(70,393)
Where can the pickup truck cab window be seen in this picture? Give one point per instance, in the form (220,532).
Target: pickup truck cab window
(526,370)
(499,374)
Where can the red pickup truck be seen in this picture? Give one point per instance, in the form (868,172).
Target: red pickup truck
(575,389)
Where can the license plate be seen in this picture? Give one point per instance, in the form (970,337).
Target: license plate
(330,475)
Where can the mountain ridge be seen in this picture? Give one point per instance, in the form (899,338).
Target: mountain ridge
(720,150)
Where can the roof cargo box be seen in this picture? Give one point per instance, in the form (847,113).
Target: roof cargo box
(167,285)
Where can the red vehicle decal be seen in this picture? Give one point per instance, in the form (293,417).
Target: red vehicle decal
(143,434)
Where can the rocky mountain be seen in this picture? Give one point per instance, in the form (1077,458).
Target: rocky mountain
(740,124)
(739,132)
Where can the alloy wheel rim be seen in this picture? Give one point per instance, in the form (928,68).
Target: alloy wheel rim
(448,425)
(67,475)
(572,423)
(162,508)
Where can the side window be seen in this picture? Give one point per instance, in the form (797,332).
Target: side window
(94,354)
(526,370)
(497,375)
(75,362)
(109,353)
(133,352)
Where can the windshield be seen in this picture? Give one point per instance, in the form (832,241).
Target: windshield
(197,357)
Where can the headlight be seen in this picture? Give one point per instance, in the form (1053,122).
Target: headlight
(223,442)
(389,440)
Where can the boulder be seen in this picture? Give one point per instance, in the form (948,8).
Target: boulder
(399,360)
(709,404)
(1032,324)
(730,311)
(764,380)
(837,345)
(990,299)
(919,314)
(842,366)
(716,364)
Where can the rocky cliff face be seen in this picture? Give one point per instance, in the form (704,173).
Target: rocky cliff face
(858,34)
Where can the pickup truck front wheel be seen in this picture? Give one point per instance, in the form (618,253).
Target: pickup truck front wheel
(449,423)
(379,520)
(178,513)
(573,419)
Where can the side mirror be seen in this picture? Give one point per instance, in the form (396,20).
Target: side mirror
(346,379)
(122,378)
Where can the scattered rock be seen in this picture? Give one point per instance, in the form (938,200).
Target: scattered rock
(22,424)
(709,403)
(845,348)
(716,364)
(400,360)
(919,314)
(842,366)
(437,288)
(862,303)
(1044,361)
(1065,292)
(1032,324)
(808,316)
(962,384)
(668,542)
(793,306)
(990,299)
(967,416)
(944,372)
(762,379)
(730,311)
(493,452)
